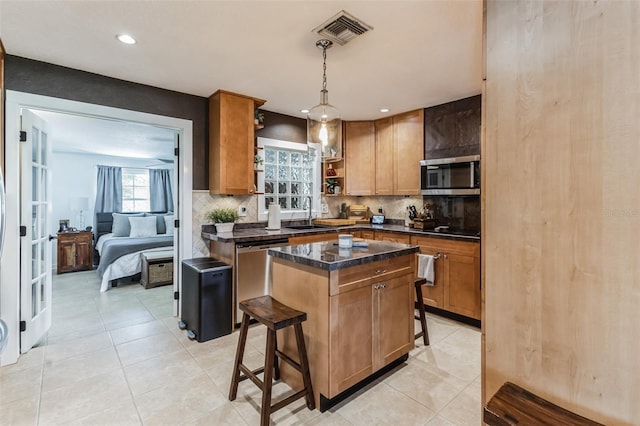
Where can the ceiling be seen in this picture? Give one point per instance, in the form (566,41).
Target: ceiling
(420,53)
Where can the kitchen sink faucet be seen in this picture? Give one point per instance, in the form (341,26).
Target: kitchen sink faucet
(309,202)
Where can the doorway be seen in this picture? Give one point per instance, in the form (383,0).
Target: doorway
(10,262)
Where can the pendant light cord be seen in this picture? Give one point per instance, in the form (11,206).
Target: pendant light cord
(324,69)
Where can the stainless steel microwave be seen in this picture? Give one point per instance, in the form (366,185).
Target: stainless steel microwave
(450,176)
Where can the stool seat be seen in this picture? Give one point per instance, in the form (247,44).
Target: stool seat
(272,313)
(275,316)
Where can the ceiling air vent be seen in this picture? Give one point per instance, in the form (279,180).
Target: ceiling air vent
(342,28)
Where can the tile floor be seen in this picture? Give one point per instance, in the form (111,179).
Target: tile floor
(118,358)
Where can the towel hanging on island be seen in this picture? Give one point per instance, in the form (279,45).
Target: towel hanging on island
(425,268)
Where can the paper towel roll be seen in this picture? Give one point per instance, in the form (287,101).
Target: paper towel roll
(274,216)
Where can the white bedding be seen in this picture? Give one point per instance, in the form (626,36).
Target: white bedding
(124,266)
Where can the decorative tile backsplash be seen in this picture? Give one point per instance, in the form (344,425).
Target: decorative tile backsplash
(459,212)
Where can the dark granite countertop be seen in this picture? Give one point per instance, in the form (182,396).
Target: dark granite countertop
(260,234)
(328,256)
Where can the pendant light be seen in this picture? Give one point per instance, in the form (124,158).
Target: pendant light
(324,126)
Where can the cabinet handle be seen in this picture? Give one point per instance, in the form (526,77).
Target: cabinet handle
(437,256)
(383,285)
(445,256)
(380,271)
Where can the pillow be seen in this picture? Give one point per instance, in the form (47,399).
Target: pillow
(168,224)
(160,226)
(121,226)
(143,227)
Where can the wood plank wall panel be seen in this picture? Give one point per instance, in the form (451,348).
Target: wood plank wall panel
(561,244)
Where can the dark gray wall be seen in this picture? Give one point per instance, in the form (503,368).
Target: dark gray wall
(283,127)
(26,75)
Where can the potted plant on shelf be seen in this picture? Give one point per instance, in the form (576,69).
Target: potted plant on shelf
(257,162)
(258,118)
(223,218)
(331,184)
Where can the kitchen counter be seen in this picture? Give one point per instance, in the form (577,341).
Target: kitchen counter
(257,234)
(359,306)
(329,257)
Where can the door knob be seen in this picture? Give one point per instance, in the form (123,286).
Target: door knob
(52,237)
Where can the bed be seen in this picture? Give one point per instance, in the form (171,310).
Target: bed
(122,238)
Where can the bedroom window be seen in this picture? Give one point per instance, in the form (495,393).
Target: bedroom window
(291,174)
(135,190)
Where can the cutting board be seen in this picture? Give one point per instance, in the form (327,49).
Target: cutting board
(335,222)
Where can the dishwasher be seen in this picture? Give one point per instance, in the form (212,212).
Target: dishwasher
(253,271)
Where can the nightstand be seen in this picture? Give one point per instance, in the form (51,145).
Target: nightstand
(75,251)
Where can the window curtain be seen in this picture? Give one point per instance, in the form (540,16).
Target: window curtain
(160,190)
(109,192)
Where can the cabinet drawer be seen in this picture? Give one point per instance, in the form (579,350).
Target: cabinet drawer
(393,237)
(369,273)
(463,248)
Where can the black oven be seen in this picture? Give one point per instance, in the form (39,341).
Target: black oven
(450,176)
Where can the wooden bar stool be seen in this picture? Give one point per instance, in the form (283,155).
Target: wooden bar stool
(418,283)
(275,316)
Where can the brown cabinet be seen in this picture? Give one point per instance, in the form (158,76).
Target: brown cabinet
(75,251)
(457,275)
(313,238)
(408,136)
(393,237)
(359,149)
(367,234)
(382,157)
(231,143)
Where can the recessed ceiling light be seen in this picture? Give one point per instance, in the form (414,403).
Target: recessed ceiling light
(126,39)
(384,109)
(304,111)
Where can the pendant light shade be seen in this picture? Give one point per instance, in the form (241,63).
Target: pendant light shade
(324,126)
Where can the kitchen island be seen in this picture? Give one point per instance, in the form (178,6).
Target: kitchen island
(359,304)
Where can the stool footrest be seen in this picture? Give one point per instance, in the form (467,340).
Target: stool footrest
(288,400)
(248,374)
(291,362)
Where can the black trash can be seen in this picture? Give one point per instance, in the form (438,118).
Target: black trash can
(207,298)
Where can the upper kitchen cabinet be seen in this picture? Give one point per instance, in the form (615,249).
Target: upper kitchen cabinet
(359,150)
(231,143)
(408,136)
(453,129)
(382,157)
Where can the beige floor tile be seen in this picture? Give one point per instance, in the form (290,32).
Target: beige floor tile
(22,412)
(179,403)
(83,398)
(20,384)
(249,401)
(127,317)
(440,421)
(225,415)
(161,371)
(65,372)
(328,419)
(135,332)
(75,347)
(123,414)
(61,336)
(463,410)
(220,370)
(148,347)
(383,405)
(425,386)
(33,358)
(452,360)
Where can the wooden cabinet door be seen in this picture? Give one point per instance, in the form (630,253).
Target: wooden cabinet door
(84,252)
(462,294)
(433,295)
(393,319)
(66,254)
(231,143)
(351,356)
(359,147)
(367,235)
(385,169)
(409,150)
(306,239)
(393,237)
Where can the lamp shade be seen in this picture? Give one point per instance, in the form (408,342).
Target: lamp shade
(324,127)
(79,203)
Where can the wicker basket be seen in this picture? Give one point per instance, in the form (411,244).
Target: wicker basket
(156,272)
